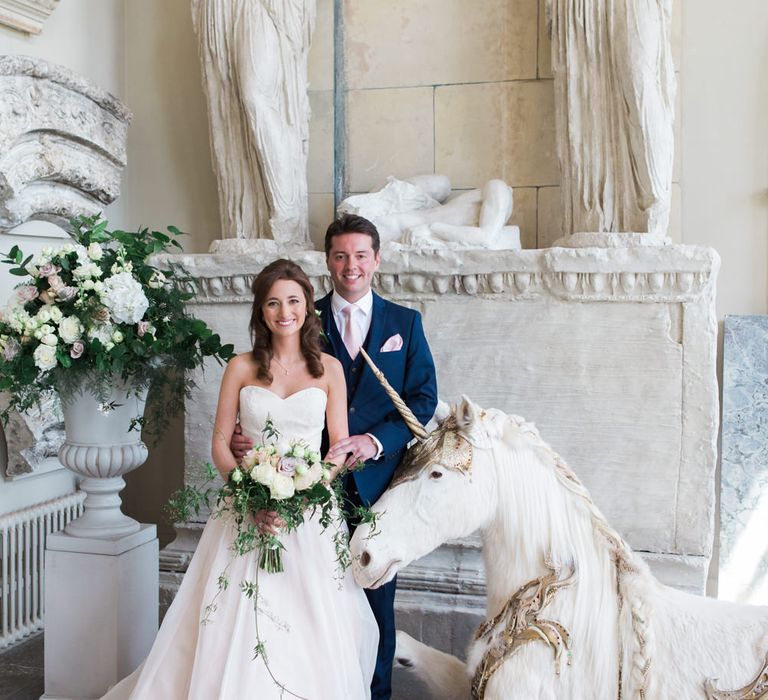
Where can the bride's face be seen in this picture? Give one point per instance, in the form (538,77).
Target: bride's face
(285,308)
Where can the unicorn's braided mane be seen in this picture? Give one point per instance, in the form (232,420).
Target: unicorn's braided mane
(632,573)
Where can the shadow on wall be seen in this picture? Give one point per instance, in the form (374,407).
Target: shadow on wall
(149,487)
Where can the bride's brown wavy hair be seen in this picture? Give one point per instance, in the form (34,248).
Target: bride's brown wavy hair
(261,337)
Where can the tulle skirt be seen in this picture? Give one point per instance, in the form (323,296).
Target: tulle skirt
(319,634)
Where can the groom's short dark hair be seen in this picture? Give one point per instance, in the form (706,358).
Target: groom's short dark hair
(351,223)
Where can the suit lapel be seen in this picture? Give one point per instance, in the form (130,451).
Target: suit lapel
(329,327)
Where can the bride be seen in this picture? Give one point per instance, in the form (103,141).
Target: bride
(319,633)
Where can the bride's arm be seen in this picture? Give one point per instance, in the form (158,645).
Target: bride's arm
(226,415)
(336,408)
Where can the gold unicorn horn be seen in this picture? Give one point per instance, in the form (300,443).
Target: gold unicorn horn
(418,430)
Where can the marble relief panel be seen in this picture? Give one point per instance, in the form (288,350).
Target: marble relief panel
(744,479)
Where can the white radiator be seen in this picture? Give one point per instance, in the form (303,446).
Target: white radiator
(23,534)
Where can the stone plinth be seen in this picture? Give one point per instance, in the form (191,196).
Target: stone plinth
(609,350)
(102,595)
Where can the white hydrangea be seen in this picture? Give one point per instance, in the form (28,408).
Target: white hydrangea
(125,298)
(102,331)
(45,357)
(70,329)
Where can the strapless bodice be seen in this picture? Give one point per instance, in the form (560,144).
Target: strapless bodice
(300,416)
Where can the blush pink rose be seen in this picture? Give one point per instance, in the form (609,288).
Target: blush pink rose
(27,292)
(77,349)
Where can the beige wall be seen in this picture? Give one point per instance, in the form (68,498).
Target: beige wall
(462,88)
(724,114)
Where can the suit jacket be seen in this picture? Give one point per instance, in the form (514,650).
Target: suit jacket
(410,370)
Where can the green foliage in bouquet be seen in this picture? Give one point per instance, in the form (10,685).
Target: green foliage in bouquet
(95,310)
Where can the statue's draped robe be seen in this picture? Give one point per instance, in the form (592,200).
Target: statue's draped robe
(614,102)
(254,60)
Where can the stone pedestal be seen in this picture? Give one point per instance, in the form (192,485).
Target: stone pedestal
(101,601)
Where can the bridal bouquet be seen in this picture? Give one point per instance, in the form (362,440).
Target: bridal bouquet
(282,476)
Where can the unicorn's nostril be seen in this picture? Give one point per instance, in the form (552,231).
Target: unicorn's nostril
(365,559)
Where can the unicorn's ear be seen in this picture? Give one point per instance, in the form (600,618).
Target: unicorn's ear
(466,413)
(442,411)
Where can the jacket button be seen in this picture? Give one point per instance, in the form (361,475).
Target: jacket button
(352,410)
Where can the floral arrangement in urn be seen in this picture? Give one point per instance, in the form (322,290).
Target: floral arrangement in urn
(95,311)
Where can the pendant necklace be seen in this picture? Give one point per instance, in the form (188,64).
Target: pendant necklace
(281,365)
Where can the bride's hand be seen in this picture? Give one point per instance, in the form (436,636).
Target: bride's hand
(267,522)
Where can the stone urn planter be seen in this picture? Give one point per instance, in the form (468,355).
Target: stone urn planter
(100,447)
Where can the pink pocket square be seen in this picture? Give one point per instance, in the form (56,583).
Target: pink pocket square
(393,344)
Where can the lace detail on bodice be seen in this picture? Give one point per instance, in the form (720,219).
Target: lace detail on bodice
(300,416)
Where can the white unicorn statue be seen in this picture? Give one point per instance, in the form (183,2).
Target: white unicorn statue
(572,612)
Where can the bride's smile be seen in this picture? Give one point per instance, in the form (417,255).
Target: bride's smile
(285,308)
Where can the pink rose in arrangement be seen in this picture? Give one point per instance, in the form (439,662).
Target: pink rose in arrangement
(288,465)
(66,293)
(55,282)
(142,329)
(48,269)
(77,349)
(27,292)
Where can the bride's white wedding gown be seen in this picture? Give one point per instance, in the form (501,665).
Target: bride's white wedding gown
(319,632)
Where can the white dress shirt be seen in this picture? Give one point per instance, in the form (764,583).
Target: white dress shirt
(363,319)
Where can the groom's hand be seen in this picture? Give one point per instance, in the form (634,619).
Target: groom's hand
(240,444)
(358,448)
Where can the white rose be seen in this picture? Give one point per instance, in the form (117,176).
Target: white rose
(56,314)
(70,329)
(283,448)
(45,357)
(117,337)
(88,284)
(125,298)
(49,339)
(281,487)
(86,270)
(310,478)
(263,473)
(95,252)
(98,287)
(43,316)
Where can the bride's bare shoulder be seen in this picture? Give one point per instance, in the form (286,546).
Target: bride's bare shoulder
(331,364)
(242,365)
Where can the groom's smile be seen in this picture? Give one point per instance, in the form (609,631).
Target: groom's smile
(352,263)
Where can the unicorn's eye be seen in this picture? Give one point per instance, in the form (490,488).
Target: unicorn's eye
(435,474)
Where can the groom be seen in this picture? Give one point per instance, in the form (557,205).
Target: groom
(353,316)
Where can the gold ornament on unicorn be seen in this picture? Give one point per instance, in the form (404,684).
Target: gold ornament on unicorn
(560,579)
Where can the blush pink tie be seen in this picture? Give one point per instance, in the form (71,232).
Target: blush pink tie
(352,339)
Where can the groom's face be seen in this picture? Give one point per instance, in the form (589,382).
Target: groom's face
(352,262)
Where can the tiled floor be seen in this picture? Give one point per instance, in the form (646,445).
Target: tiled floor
(21,670)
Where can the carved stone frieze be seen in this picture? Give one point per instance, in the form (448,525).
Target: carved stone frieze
(26,15)
(34,436)
(653,274)
(62,143)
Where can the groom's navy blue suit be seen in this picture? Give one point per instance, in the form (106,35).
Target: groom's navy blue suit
(411,372)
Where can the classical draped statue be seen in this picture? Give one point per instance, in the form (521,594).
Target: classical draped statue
(254,62)
(614,107)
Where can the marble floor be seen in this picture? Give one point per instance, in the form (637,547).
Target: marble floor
(21,674)
(21,670)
